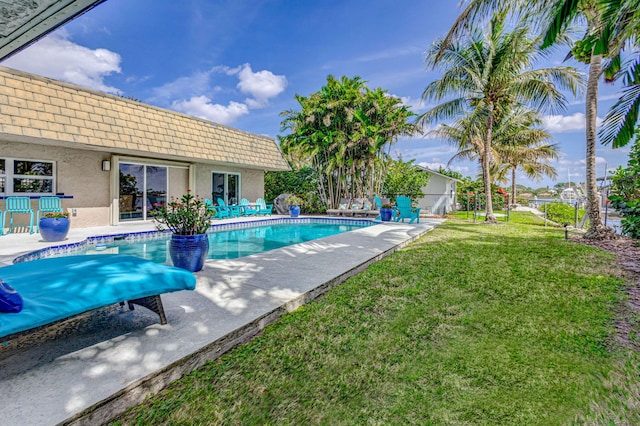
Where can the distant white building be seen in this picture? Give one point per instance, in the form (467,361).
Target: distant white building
(439,194)
(571,194)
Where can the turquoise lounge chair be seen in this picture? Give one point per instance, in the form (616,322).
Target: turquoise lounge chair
(264,208)
(58,288)
(403,210)
(247,209)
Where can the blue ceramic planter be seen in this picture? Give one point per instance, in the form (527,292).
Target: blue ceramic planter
(189,251)
(294,211)
(54,229)
(385,214)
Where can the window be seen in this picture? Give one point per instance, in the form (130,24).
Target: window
(3,176)
(33,177)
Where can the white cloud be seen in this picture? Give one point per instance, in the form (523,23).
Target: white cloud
(193,94)
(56,56)
(201,106)
(262,85)
(566,123)
(416,105)
(184,87)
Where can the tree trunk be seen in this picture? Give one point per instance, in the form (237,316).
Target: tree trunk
(596,230)
(513,185)
(486,176)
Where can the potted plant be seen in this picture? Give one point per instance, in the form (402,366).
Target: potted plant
(294,203)
(386,211)
(188,219)
(54,226)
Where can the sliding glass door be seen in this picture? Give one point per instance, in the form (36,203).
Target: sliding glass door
(225,186)
(143,188)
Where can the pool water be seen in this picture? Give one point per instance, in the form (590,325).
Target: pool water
(230,243)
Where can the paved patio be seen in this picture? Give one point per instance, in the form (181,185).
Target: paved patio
(85,370)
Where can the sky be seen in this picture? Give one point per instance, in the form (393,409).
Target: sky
(241,63)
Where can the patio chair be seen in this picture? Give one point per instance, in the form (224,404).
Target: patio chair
(403,210)
(264,208)
(234,211)
(222,210)
(48,205)
(58,288)
(247,208)
(343,207)
(370,207)
(20,205)
(357,207)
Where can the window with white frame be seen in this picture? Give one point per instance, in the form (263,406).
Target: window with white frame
(22,176)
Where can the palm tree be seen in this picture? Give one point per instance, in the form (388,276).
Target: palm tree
(518,142)
(487,73)
(564,12)
(522,144)
(612,25)
(557,15)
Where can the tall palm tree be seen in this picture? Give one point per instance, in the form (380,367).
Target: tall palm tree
(613,25)
(518,142)
(522,144)
(486,73)
(555,16)
(565,12)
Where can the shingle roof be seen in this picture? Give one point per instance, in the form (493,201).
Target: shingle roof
(42,110)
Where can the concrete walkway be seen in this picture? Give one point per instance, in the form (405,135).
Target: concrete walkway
(88,369)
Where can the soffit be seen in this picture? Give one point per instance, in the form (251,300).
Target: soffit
(23,22)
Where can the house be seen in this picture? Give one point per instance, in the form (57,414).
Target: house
(114,159)
(439,194)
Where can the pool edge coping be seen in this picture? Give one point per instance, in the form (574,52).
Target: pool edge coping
(138,391)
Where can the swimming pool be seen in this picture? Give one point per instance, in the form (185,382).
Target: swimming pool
(226,241)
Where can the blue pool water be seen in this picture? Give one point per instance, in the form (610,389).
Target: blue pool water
(224,242)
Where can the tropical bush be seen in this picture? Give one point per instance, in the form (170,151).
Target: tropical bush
(472,192)
(303,181)
(344,131)
(625,197)
(562,212)
(404,178)
(188,215)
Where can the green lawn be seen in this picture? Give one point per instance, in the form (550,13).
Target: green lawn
(471,325)
(513,216)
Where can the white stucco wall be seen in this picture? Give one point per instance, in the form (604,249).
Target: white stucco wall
(79,174)
(440,193)
(251,181)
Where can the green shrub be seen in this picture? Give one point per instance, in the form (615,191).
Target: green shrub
(302,182)
(625,197)
(562,212)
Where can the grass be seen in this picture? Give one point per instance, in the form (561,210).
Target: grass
(471,325)
(521,217)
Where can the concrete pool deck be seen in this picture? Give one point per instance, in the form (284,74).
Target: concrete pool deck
(88,369)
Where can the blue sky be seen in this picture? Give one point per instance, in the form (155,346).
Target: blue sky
(240,63)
